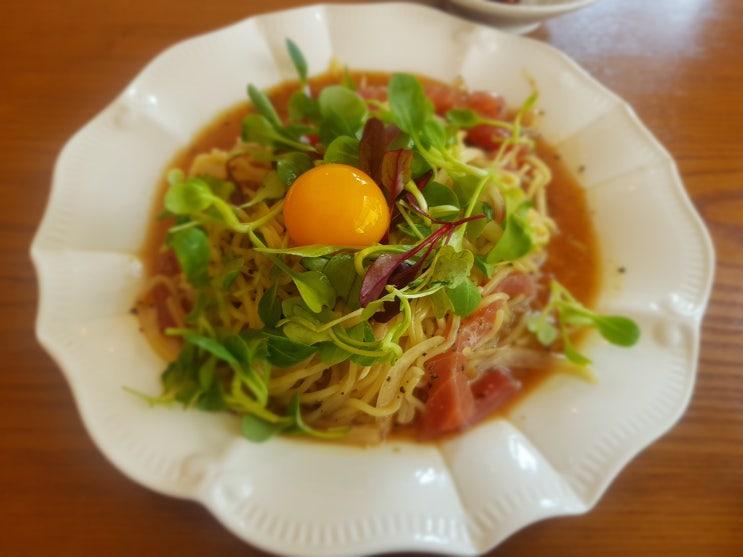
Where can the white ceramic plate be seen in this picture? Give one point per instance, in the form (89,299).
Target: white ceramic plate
(559,449)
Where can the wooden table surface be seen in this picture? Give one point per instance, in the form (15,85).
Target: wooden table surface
(676,62)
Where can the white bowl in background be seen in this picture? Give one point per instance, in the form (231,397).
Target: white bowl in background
(519,18)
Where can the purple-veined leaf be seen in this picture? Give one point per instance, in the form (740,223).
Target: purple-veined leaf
(396,172)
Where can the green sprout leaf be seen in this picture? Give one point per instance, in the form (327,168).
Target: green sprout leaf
(515,242)
(211,345)
(258,430)
(315,289)
(442,202)
(343,150)
(463,117)
(303,108)
(256,128)
(452,267)
(464,298)
(342,275)
(269,306)
(617,329)
(185,197)
(409,104)
(298,59)
(263,105)
(284,352)
(545,331)
(344,113)
(290,166)
(191,247)
(563,312)
(273,187)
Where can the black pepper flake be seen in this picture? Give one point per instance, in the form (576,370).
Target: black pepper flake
(134,310)
(388,378)
(622,270)
(582,168)
(402,389)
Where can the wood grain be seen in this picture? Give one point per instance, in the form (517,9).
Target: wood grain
(677,63)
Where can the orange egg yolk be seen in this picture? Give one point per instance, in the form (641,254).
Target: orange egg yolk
(335,204)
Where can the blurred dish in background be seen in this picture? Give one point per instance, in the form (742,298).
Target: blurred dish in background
(515,16)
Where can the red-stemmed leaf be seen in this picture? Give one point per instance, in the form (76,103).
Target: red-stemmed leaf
(422,181)
(396,172)
(381,270)
(372,147)
(388,268)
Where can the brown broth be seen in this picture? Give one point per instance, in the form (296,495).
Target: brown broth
(573,253)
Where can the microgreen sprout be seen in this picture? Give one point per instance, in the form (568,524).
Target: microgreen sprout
(193,196)
(563,314)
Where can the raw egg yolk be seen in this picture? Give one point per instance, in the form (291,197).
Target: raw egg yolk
(335,204)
